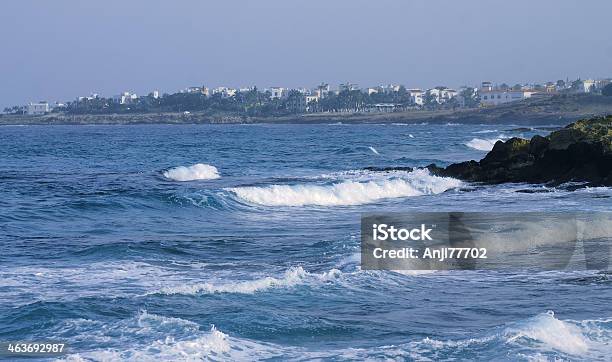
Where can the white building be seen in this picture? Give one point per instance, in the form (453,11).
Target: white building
(495,97)
(277,92)
(390,88)
(193,90)
(37,108)
(125,98)
(246,89)
(225,92)
(442,94)
(312,98)
(371,91)
(589,85)
(347,87)
(416,96)
(322,90)
(447,94)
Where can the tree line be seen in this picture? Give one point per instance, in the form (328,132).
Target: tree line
(255,103)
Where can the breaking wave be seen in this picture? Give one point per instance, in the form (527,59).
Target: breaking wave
(292,277)
(198,171)
(533,339)
(170,338)
(348,192)
(481,144)
(551,333)
(374,150)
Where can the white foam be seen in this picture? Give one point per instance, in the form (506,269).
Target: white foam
(374,150)
(552,333)
(487,131)
(481,144)
(214,345)
(292,277)
(198,171)
(171,338)
(348,192)
(411,136)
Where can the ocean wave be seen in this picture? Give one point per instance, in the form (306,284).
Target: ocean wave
(172,339)
(532,338)
(198,171)
(374,150)
(348,192)
(125,278)
(169,338)
(481,144)
(292,277)
(549,332)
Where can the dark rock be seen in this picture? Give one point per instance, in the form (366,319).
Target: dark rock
(580,152)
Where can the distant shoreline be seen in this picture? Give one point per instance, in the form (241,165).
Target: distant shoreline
(553,110)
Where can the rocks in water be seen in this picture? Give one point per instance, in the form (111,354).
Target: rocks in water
(580,152)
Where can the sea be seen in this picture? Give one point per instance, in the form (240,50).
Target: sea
(242,242)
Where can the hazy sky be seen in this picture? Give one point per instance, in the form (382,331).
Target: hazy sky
(57,50)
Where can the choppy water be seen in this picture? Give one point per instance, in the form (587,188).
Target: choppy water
(257,256)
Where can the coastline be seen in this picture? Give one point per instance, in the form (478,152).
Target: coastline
(550,110)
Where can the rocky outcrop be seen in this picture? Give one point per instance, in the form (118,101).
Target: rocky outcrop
(580,152)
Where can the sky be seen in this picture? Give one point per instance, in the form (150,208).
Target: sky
(58,50)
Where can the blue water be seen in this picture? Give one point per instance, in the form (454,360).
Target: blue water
(100,248)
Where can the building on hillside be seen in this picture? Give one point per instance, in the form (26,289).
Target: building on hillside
(442,94)
(303,90)
(90,97)
(246,89)
(36,109)
(125,98)
(278,92)
(198,90)
(495,97)
(589,85)
(486,86)
(224,92)
(311,98)
(322,90)
(390,88)
(383,89)
(447,94)
(416,96)
(344,87)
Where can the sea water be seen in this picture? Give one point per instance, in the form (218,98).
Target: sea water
(241,242)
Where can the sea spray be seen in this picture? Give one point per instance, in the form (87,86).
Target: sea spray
(481,144)
(198,171)
(292,277)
